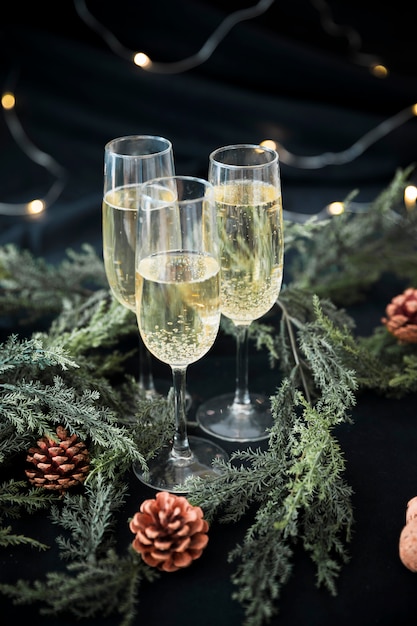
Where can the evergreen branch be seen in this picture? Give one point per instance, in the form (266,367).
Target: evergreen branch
(41,288)
(12,442)
(16,498)
(15,495)
(97,581)
(320,342)
(294,349)
(16,354)
(380,362)
(7,539)
(301,472)
(99,588)
(98,321)
(407,377)
(342,271)
(265,571)
(88,517)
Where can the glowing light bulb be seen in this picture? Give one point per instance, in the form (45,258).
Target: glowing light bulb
(35,207)
(335,208)
(269,143)
(379,70)
(410,197)
(414,109)
(8,101)
(142,60)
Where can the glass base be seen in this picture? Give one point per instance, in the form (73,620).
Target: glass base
(169,474)
(230,421)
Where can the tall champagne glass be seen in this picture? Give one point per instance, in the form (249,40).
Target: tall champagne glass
(178,307)
(128,162)
(247,189)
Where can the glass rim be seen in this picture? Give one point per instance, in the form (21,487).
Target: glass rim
(108,148)
(206,186)
(242,146)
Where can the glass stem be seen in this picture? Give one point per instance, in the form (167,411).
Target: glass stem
(146,381)
(181,446)
(242,387)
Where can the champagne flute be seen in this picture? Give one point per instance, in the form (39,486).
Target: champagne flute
(247,190)
(178,308)
(129,161)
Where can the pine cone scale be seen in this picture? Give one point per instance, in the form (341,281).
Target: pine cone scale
(44,467)
(37,455)
(182,560)
(143,538)
(59,460)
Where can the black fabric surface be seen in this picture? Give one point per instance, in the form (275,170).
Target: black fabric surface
(277,76)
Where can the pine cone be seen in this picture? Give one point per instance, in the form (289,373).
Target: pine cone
(60,464)
(401,320)
(170,532)
(408,537)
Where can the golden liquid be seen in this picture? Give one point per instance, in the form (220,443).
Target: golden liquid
(178,305)
(252,246)
(119,215)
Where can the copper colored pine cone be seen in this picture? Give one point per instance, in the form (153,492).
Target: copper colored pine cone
(58,465)
(408,537)
(401,316)
(170,532)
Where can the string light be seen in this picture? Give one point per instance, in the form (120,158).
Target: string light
(8,101)
(333,209)
(37,206)
(336,208)
(379,70)
(410,197)
(351,153)
(303,162)
(375,66)
(143,61)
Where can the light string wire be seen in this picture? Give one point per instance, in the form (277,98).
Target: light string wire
(354,151)
(350,34)
(36,155)
(186,64)
(328,24)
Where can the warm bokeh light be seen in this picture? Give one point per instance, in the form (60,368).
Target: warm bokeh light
(8,101)
(35,207)
(335,208)
(142,60)
(378,70)
(414,109)
(269,143)
(410,197)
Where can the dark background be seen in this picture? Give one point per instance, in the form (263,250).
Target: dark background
(283,76)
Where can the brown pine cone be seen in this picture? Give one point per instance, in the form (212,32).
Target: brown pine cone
(170,532)
(401,316)
(58,465)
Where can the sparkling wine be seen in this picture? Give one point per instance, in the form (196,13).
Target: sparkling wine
(178,305)
(251,240)
(120,208)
